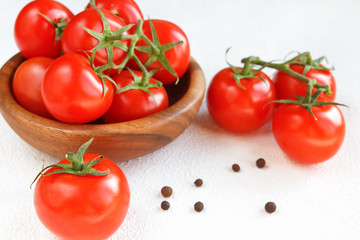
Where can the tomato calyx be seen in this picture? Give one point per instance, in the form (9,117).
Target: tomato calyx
(142,83)
(157,51)
(58,25)
(76,166)
(105,40)
(112,39)
(304,59)
(247,72)
(309,101)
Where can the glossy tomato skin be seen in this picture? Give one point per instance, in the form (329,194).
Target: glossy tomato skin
(83,207)
(179,56)
(134,104)
(128,10)
(27,85)
(288,86)
(240,110)
(77,40)
(73,93)
(305,139)
(34,35)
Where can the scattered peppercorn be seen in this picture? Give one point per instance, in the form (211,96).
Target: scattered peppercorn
(166,191)
(260,163)
(198,182)
(165,205)
(198,206)
(270,207)
(236,167)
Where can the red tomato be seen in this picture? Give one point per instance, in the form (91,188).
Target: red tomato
(305,139)
(178,57)
(83,207)
(27,85)
(128,10)
(135,103)
(288,86)
(77,40)
(34,35)
(237,109)
(73,93)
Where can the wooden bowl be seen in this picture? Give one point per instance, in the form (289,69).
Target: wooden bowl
(118,141)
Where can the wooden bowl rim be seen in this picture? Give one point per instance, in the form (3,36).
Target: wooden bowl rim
(194,92)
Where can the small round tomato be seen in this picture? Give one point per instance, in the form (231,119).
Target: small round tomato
(27,85)
(240,109)
(128,10)
(135,103)
(34,34)
(73,93)
(178,56)
(83,207)
(306,139)
(288,86)
(77,40)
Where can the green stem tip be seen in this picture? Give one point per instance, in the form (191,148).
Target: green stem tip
(76,166)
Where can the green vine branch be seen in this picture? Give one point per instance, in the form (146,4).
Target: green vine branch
(304,59)
(115,39)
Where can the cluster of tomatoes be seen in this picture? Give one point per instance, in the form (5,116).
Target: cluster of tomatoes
(104,62)
(306,123)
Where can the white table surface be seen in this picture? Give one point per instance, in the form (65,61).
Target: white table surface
(314,202)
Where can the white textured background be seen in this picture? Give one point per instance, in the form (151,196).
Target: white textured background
(314,202)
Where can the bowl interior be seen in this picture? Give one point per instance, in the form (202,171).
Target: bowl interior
(117,141)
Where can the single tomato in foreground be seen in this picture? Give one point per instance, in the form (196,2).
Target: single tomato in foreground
(288,86)
(88,198)
(35,35)
(240,109)
(27,85)
(72,91)
(306,139)
(135,103)
(178,56)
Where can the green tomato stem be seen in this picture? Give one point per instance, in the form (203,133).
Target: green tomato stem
(285,67)
(247,67)
(77,166)
(92,3)
(309,88)
(75,162)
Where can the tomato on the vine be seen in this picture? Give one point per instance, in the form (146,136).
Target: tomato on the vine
(77,40)
(288,86)
(27,85)
(35,35)
(89,203)
(306,139)
(240,109)
(73,92)
(135,103)
(178,56)
(128,10)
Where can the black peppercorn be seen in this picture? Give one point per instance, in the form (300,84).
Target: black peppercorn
(165,205)
(260,163)
(270,207)
(236,167)
(198,206)
(166,191)
(198,182)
